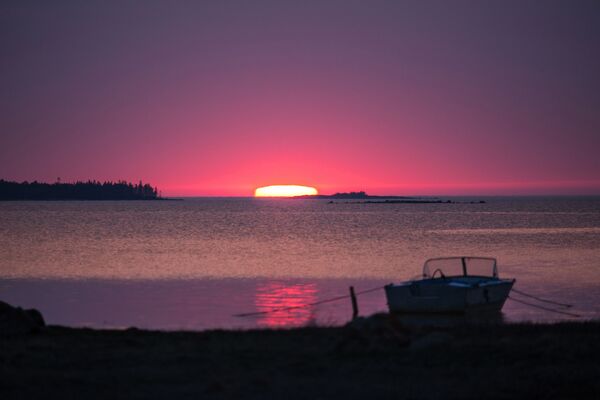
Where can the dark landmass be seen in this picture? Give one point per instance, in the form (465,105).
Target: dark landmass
(348,196)
(369,199)
(415,201)
(374,358)
(90,190)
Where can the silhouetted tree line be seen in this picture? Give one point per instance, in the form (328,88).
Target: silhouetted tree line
(90,190)
(350,195)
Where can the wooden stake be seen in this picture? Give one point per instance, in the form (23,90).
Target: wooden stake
(354,303)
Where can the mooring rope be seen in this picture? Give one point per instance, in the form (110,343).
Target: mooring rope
(545,308)
(316,303)
(337,298)
(541,299)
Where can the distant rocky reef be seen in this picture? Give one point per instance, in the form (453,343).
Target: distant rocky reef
(364,198)
(349,196)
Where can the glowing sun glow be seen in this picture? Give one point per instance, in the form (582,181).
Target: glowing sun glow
(284,191)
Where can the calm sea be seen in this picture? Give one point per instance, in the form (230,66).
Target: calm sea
(192,264)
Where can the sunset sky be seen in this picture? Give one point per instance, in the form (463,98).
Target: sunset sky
(221,97)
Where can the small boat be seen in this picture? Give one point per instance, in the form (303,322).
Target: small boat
(451,285)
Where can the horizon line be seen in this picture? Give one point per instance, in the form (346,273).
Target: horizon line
(403,195)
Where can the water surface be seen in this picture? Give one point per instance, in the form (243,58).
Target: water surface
(193,263)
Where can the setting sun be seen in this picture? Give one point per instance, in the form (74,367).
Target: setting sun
(284,191)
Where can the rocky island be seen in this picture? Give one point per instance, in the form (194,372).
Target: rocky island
(364,198)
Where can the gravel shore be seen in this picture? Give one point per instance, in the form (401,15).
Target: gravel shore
(370,358)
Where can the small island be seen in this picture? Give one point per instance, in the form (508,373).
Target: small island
(364,198)
(90,190)
(349,196)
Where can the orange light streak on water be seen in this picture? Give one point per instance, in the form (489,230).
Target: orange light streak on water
(276,295)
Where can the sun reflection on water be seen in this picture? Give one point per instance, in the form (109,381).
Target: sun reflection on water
(279,297)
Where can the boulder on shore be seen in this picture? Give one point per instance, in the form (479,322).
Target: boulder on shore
(17,321)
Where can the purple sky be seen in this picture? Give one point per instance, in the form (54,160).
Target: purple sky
(219,97)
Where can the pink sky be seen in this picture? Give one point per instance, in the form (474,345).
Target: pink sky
(387,97)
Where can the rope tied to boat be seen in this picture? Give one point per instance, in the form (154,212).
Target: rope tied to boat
(347,296)
(545,308)
(542,299)
(316,303)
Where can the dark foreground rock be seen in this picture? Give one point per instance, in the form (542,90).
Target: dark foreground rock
(375,358)
(16,321)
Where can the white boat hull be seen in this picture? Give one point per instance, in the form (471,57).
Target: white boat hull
(451,295)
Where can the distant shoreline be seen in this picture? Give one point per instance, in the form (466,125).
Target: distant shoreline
(409,202)
(350,196)
(364,198)
(89,191)
(90,200)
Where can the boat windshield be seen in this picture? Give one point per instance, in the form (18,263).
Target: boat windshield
(460,266)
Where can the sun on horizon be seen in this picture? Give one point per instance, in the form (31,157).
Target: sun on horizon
(285,191)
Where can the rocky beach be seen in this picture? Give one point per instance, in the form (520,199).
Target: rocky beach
(375,357)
